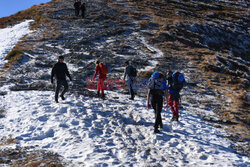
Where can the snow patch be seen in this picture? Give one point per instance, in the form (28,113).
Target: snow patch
(10,36)
(113,132)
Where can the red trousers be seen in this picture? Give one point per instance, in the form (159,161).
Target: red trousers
(100,85)
(174,105)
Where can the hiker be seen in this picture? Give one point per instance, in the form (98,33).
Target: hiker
(82,7)
(77,6)
(130,72)
(60,70)
(101,70)
(157,90)
(175,83)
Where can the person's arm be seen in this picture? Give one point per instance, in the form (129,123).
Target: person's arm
(96,71)
(67,72)
(125,73)
(148,97)
(166,97)
(165,88)
(52,74)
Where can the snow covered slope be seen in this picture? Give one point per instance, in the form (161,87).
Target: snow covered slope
(114,132)
(10,36)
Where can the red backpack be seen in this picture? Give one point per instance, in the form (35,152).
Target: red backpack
(103,68)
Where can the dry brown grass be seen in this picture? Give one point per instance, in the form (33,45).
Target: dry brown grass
(7,141)
(35,159)
(23,157)
(32,13)
(145,74)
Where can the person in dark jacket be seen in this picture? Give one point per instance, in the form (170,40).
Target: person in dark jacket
(157,90)
(77,6)
(83,9)
(60,70)
(130,73)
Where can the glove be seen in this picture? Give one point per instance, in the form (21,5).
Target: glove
(149,106)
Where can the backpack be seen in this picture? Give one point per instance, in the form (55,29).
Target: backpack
(155,86)
(132,71)
(176,81)
(103,68)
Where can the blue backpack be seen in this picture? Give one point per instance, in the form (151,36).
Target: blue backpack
(176,81)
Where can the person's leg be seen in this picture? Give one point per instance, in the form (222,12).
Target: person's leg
(160,105)
(76,11)
(158,120)
(176,109)
(58,87)
(153,103)
(171,104)
(102,86)
(66,88)
(83,13)
(176,106)
(98,87)
(132,88)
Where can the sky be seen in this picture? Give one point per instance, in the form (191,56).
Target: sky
(9,7)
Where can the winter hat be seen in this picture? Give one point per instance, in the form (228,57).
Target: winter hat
(61,57)
(155,75)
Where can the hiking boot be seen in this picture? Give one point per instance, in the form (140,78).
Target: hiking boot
(98,94)
(62,97)
(56,101)
(131,98)
(103,96)
(156,131)
(173,118)
(176,119)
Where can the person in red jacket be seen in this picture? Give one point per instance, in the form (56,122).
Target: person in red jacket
(102,76)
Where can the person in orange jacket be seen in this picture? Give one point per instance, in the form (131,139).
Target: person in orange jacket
(99,70)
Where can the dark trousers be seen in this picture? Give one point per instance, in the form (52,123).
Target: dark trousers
(83,13)
(157,103)
(131,91)
(77,11)
(130,83)
(61,83)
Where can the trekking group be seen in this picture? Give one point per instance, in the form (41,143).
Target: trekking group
(160,89)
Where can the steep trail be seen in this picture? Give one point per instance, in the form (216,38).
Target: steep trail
(111,32)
